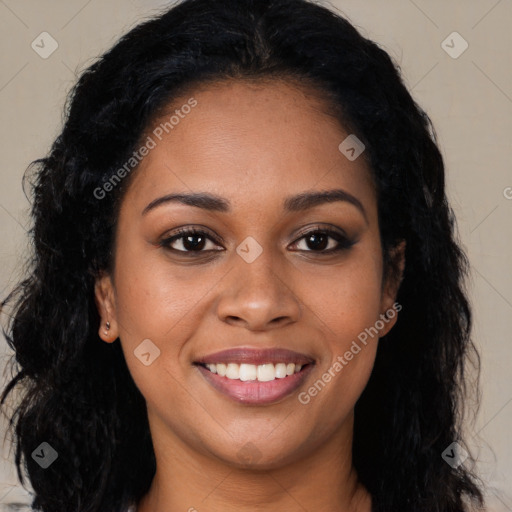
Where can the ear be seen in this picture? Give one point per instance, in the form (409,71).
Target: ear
(104,294)
(391,285)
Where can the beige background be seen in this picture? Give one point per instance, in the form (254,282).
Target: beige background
(469,99)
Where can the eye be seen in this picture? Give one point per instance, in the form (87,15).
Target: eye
(318,239)
(191,240)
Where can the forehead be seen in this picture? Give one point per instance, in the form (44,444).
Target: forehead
(248,140)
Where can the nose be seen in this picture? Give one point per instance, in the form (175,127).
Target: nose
(258,295)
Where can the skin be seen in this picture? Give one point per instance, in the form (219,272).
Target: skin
(253,144)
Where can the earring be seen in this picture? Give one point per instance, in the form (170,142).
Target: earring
(108,327)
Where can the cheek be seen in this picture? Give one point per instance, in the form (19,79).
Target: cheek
(158,312)
(346,307)
(346,298)
(155,298)
(157,302)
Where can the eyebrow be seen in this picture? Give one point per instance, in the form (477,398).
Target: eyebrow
(297,203)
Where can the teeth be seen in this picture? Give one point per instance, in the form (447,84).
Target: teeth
(281,370)
(248,372)
(266,372)
(232,371)
(262,373)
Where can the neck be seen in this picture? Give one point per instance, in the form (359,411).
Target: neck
(188,480)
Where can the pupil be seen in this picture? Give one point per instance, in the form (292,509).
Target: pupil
(190,246)
(315,237)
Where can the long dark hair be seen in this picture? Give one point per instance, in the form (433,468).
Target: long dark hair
(79,396)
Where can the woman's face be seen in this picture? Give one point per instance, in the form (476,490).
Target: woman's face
(255,284)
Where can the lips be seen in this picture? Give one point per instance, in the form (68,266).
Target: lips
(250,388)
(256,357)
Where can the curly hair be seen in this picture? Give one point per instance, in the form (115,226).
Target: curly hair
(78,394)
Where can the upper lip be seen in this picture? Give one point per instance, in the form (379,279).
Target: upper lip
(256,356)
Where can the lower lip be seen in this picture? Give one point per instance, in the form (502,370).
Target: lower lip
(254,392)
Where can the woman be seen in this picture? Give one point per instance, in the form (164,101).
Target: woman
(246,291)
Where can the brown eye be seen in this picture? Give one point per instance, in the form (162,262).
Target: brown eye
(318,241)
(191,240)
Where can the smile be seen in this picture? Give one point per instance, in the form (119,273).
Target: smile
(255,377)
(250,372)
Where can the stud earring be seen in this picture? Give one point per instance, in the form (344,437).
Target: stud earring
(108,327)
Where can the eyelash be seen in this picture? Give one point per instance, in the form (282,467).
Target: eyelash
(343,242)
